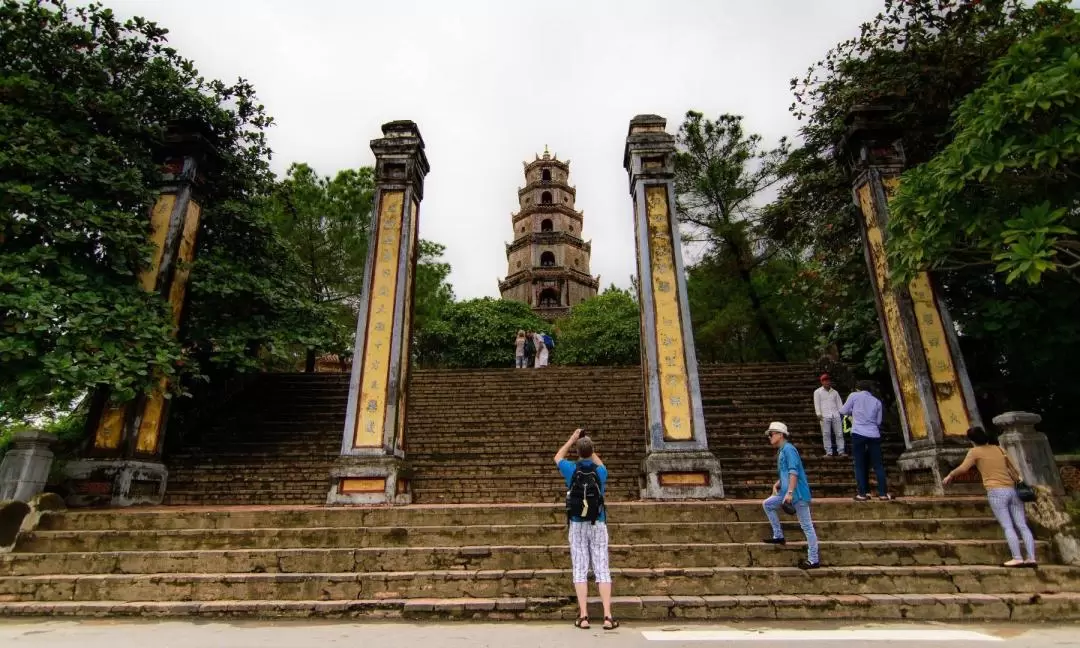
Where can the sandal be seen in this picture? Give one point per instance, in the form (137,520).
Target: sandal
(610,623)
(582,622)
(1013,563)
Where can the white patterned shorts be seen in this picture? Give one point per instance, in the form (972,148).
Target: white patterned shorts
(589,544)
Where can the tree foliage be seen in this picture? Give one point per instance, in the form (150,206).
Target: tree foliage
(1006,190)
(603,330)
(720,170)
(324,224)
(475,333)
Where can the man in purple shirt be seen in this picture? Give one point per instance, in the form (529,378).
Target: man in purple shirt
(865,411)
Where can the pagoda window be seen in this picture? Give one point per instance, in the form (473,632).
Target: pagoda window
(547,260)
(546,225)
(545,175)
(545,198)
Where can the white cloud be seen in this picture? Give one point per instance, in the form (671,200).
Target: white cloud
(491,82)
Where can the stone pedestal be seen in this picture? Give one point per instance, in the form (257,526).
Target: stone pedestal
(115,482)
(371,467)
(923,469)
(370,480)
(934,394)
(678,464)
(25,469)
(1030,449)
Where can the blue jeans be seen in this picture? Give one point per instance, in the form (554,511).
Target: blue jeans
(863,448)
(1009,511)
(519,362)
(802,510)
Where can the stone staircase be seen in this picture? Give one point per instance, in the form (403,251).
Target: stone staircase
(489,435)
(910,559)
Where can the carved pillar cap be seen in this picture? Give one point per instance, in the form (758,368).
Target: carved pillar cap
(647,137)
(870,137)
(400,157)
(1010,420)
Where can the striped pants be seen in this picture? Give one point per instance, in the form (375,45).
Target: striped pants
(1009,511)
(589,543)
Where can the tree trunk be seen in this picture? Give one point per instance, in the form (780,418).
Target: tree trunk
(759,310)
(309,361)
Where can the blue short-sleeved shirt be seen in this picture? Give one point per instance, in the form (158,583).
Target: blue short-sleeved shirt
(788,461)
(567,467)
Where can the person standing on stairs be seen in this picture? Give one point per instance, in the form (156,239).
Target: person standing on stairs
(796,497)
(541,350)
(865,411)
(519,350)
(999,477)
(530,349)
(827,404)
(586,481)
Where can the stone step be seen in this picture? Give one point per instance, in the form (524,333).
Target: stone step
(1002,606)
(171,518)
(689,581)
(889,553)
(469,535)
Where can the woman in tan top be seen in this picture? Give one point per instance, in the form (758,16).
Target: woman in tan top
(999,477)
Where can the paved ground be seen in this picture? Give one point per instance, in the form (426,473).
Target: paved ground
(111,634)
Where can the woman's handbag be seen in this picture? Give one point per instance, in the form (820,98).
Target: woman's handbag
(1024,491)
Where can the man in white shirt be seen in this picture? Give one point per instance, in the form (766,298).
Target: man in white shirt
(827,404)
(541,350)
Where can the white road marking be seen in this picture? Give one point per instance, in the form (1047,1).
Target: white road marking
(852,634)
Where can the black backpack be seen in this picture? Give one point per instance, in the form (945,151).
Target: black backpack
(530,348)
(584,500)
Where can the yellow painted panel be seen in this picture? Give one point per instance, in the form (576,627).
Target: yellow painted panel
(150,426)
(371,410)
(363,485)
(187,252)
(674,382)
(935,344)
(947,392)
(684,479)
(159,227)
(110,427)
(898,349)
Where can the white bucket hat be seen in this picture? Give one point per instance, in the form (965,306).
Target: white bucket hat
(776,426)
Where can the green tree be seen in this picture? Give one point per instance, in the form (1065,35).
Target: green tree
(923,58)
(324,224)
(603,330)
(432,288)
(720,170)
(86,101)
(724,323)
(475,333)
(1006,190)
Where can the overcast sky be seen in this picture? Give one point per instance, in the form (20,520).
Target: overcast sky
(491,82)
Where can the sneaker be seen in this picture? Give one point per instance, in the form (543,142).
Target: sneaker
(826,455)
(775,541)
(887,497)
(861,498)
(806,564)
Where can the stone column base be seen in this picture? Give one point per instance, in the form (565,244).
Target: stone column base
(1030,450)
(26,466)
(924,468)
(675,475)
(114,482)
(369,480)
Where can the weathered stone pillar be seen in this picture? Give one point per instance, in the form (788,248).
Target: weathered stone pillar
(25,469)
(1030,449)
(678,463)
(937,404)
(372,466)
(123,462)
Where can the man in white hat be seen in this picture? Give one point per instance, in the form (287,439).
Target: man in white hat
(792,478)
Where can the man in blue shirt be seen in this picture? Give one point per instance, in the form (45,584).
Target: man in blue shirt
(588,540)
(865,411)
(792,478)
